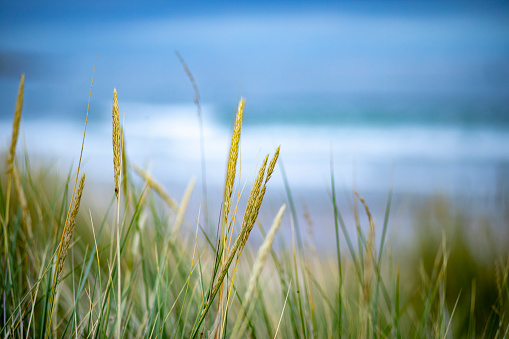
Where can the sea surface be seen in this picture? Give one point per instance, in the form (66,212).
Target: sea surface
(460,155)
(449,152)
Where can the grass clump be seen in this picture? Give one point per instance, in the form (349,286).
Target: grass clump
(139,268)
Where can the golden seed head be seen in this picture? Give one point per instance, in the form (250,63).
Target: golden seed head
(253,195)
(256,196)
(232,159)
(256,210)
(69,230)
(15,123)
(116,142)
(272,164)
(259,177)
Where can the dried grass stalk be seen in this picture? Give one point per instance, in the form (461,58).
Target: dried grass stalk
(69,230)
(116,142)
(261,193)
(156,187)
(253,203)
(272,164)
(15,124)
(253,206)
(232,160)
(247,226)
(117,167)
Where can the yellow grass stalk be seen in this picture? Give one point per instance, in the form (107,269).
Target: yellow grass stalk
(255,190)
(116,142)
(259,263)
(15,124)
(253,207)
(12,153)
(156,187)
(232,165)
(272,164)
(253,202)
(250,218)
(228,189)
(69,230)
(117,167)
(241,239)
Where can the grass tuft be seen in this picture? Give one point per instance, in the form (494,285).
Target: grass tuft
(69,271)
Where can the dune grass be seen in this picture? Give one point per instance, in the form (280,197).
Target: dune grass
(140,269)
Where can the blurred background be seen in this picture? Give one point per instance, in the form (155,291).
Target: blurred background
(413,93)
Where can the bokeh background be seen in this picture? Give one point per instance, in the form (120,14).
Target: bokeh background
(410,95)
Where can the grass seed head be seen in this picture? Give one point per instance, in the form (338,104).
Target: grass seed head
(253,195)
(232,159)
(69,230)
(116,142)
(15,123)
(272,164)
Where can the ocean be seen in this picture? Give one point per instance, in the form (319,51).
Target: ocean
(458,155)
(410,99)
(465,160)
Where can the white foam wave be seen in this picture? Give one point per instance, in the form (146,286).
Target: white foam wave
(424,158)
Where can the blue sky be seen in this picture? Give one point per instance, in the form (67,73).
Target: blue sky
(282,51)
